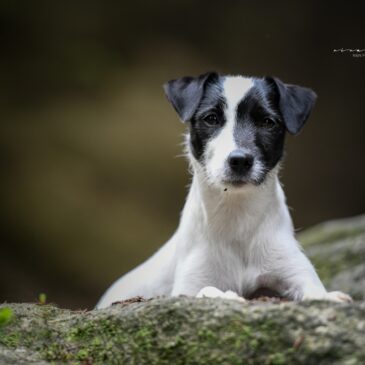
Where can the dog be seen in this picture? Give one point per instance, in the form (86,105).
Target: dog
(235,238)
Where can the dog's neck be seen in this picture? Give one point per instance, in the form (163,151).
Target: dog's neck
(230,213)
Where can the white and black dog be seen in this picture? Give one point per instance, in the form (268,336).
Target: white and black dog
(235,237)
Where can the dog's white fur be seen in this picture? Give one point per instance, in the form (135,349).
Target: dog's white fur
(228,241)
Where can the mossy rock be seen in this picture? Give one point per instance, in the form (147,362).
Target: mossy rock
(207,331)
(337,249)
(187,331)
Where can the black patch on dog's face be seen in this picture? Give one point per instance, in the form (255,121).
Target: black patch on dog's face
(253,130)
(259,126)
(265,113)
(208,119)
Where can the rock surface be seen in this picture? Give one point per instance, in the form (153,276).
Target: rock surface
(207,331)
(337,249)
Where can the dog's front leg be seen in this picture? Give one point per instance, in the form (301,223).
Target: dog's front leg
(302,281)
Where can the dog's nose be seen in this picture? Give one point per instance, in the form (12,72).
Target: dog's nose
(240,162)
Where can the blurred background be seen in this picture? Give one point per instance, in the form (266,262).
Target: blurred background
(90,181)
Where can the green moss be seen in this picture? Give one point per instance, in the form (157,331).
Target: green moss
(191,331)
(42,298)
(99,340)
(328,267)
(11,340)
(6,315)
(83,354)
(277,359)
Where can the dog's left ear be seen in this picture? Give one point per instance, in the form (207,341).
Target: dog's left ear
(185,93)
(295,103)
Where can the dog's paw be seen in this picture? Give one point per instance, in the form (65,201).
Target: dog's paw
(338,296)
(212,292)
(209,292)
(229,294)
(333,296)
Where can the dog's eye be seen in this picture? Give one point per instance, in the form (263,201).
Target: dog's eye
(268,123)
(211,120)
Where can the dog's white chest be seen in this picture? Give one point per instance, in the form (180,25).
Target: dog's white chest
(230,265)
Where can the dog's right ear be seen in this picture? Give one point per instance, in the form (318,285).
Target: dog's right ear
(185,93)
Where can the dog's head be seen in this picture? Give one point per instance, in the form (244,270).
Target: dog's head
(237,124)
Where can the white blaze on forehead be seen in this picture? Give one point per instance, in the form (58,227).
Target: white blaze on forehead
(234,90)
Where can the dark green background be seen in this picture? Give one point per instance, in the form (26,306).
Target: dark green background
(89,182)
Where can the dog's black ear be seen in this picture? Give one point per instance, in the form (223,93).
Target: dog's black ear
(295,103)
(185,94)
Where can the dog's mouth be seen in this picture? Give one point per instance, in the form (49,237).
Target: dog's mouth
(238,179)
(238,183)
(235,183)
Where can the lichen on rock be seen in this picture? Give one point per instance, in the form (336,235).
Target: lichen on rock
(188,331)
